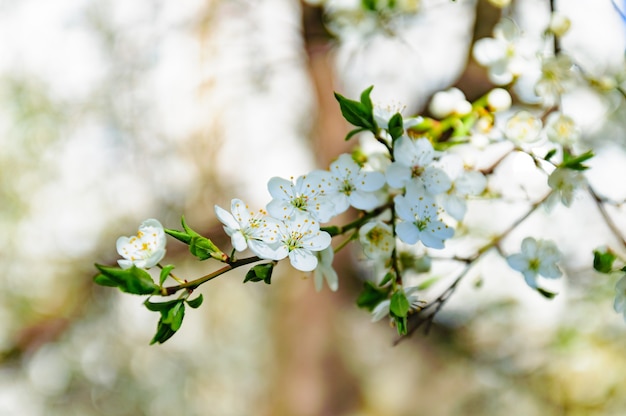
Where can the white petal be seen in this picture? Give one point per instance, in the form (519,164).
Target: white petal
(238,241)
(226,218)
(364,200)
(303,260)
(407,232)
(398,174)
(280,188)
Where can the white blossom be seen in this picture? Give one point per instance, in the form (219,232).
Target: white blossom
(562,129)
(523,128)
(325,271)
(538,257)
(247,228)
(144,250)
(414,161)
(450,101)
(508,54)
(308,194)
(298,238)
(377,240)
(564,183)
(464,182)
(420,219)
(352,186)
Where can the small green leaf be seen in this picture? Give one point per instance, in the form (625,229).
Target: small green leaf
(366,100)
(165,271)
(359,114)
(188,229)
(396,126)
(401,324)
(195,303)
(133,280)
(179,235)
(353,132)
(399,305)
(371,296)
(164,332)
(172,314)
(549,155)
(576,162)
(204,249)
(102,280)
(260,273)
(603,261)
(546,294)
(388,278)
(161,306)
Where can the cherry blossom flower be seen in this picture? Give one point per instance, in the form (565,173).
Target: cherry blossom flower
(308,194)
(377,240)
(299,238)
(352,186)
(564,183)
(420,219)
(144,250)
(247,228)
(325,271)
(562,129)
(523,128)
(538,257)
(414,161)
(464,182)
(508,54)
(450,101)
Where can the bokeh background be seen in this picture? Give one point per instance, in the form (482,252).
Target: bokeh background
(115,111)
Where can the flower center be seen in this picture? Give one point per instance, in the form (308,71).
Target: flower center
(347,187)
(294,241)
(300,201)
(416,171)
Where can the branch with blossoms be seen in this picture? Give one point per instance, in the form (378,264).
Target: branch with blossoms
(411,190)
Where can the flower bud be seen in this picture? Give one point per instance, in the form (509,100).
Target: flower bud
(499,99)
(559,24)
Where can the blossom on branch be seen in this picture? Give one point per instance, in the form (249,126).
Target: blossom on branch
(248,228)
(420,219)
(307,195)
(414,162)
(325,271)
(299,238)
(537,258)
(352,186)
(145,249)
(564,183)
(377,240)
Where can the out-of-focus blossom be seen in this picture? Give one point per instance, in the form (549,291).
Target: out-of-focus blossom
(538,257)
(325,271)
(377,240)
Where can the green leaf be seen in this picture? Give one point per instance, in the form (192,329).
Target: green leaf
(603,261)
(357,113)
(366,100)
(549,155)
(401,324)
(195,303)
(399,305)
(133,280)
(102,280)
(546,294)
(165,271)
(260,273)
(172,314)
(179,235)
(576,162)
(164,332)
(161,306)
(353,132)
(371,296)
(388,277)
(396,126)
